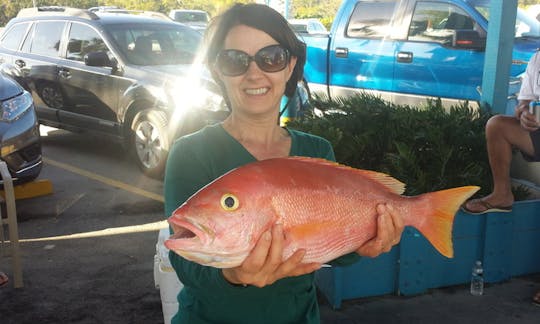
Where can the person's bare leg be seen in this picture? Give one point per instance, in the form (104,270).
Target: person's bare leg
(502,133)
(3,279)
(536,298)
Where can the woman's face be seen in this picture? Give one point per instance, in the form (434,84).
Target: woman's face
(255,93)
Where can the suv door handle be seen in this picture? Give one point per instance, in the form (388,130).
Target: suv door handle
(405,57)
(64,73)
(20,63)
(342,52)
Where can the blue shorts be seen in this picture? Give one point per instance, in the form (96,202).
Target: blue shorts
(535,138)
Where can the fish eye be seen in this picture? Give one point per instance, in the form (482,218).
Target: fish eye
(229,202)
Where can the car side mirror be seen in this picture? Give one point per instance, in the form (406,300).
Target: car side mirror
(468,39)
(99,59)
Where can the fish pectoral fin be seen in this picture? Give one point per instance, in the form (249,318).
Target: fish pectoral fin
(303,232)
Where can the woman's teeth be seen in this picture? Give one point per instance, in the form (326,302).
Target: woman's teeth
(256,91)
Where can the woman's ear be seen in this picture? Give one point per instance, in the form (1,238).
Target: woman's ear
(292,64)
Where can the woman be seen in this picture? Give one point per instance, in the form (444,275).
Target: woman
(256,58)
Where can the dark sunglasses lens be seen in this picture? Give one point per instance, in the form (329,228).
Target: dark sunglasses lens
(233,63)
(272,58)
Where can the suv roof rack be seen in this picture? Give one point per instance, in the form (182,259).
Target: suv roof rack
(57,11)
(119,10)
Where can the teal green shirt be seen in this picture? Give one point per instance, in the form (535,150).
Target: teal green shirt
(194,161)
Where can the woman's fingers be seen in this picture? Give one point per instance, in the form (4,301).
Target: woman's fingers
(257,258)
(389,229)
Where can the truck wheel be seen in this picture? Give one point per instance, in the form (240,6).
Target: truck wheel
(150,142)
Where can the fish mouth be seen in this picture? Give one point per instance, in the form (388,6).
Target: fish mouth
(186,231)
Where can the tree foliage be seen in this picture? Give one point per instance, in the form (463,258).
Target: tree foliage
(322,9)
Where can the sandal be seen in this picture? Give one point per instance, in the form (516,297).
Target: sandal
(488,208)
(3,279)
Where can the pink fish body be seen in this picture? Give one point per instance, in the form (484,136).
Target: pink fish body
(326,208)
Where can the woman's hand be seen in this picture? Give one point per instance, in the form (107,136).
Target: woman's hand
(389,229)
(265,264)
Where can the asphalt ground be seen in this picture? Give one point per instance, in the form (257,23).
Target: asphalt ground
(88,258)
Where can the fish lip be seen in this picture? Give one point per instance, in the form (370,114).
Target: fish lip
(179,227)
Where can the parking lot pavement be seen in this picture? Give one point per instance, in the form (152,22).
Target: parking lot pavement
(70,278)
(502,303)
(75,272)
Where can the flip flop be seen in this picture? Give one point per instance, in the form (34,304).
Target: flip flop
(488,208)
(3,279)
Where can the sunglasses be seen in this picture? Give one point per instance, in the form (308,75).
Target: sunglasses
(273,58)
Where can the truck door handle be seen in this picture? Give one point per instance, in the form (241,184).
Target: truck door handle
(404,57)
(342,52)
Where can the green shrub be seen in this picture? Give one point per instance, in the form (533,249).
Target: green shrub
(427,148)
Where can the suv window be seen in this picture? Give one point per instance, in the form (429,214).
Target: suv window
(46,38)
(371,19)
(156,45)
(435,22)
(83,40)
(13,38)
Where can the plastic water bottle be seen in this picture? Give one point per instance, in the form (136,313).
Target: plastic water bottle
(477,279)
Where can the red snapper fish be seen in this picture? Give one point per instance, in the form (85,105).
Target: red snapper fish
(326,208)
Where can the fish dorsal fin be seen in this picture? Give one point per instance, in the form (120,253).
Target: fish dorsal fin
(384,179)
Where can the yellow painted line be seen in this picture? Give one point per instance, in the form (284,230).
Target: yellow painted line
(105,180)
(156,226)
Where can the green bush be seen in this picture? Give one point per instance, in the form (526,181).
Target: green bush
(427,148)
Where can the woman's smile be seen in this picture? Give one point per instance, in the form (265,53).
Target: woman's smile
(256,91)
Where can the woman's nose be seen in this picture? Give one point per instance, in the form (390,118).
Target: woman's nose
(253,69)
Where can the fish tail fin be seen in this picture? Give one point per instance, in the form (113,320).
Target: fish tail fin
(437,225)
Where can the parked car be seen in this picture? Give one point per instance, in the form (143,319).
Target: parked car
(127,76)
(20,145)
(197,19)
(409,51)
(308,26)
(534,11)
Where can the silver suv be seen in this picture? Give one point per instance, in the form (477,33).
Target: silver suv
(127,76)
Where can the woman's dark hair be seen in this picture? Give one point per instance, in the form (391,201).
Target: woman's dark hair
(265,19)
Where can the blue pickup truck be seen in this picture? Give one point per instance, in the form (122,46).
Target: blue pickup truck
(407,50)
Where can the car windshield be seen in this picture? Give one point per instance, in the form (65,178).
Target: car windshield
(526,26)
(156,44)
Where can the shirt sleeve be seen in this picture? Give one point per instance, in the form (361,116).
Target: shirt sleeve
(530,85)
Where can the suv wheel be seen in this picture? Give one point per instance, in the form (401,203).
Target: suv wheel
(150,142)
(51,95)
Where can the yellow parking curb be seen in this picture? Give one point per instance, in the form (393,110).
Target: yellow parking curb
(32,189)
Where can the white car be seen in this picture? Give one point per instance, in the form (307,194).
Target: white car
(197,19)
(308,26)
(534,11)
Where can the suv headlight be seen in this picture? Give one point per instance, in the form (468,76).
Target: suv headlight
(14,107)
(196,95)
